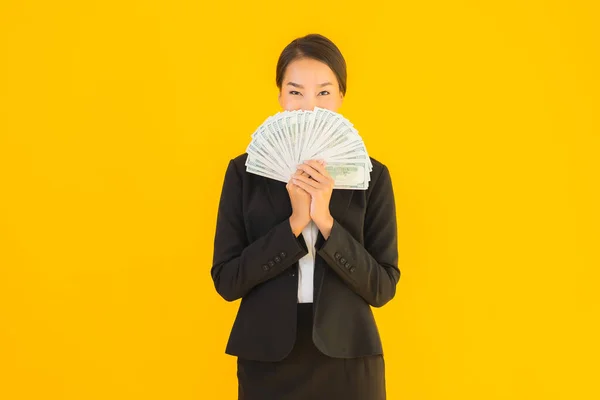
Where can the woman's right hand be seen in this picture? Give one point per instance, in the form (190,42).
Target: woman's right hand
(300,200)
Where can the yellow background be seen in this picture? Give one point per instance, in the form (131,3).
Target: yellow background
(118,119)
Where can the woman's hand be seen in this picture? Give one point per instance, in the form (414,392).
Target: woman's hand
(317,182)
(300,200)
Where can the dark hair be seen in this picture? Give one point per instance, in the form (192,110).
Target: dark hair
(317,47)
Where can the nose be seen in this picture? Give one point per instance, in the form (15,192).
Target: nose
(309,104)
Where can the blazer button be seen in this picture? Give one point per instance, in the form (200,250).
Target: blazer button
(337,256)
(271,263)
(265,267)
(352,269)
(277,259)
(283,254)
(348,265)
(343,260)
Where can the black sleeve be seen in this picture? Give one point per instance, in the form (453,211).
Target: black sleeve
(238,266)
(370,270)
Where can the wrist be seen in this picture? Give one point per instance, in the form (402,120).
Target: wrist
(298,224)
(325,225)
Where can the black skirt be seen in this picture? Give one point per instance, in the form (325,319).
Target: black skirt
(307,373)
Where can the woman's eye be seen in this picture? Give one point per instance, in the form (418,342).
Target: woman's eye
(294,92)
(324,91)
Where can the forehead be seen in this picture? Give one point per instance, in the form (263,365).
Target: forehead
(308,71)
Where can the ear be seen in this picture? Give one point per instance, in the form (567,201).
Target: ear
(279,99)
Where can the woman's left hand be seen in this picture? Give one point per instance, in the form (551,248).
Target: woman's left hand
(319,184)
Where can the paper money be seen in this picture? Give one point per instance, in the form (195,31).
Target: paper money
(289,138)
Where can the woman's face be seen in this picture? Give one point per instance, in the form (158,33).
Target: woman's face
(308,83)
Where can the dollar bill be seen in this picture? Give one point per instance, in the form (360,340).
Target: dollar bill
(289,138)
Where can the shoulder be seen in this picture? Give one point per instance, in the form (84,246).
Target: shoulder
(380,170)
(378,166)
(237,165)
(380,186)
(240,162)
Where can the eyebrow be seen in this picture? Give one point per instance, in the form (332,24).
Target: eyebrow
(302,87)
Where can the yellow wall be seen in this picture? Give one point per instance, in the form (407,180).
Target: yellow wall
(117,121)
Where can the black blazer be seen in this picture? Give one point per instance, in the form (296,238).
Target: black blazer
(256,259)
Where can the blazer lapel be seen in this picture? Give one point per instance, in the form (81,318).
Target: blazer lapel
(278,198)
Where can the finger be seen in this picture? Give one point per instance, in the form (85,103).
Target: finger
(319,165)
(300,172)
(313,172)
(297,188)
(309,181)
(303,185)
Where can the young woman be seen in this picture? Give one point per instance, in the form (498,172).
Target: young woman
(307,261)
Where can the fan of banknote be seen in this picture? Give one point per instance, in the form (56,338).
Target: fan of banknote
(289,138)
